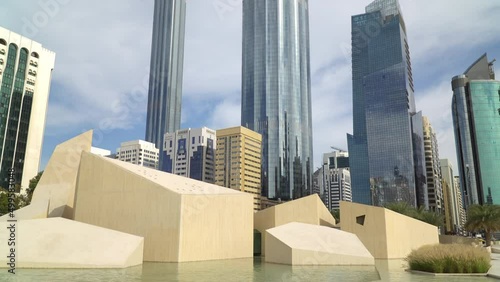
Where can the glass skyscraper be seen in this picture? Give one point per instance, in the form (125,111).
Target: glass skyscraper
(476,120)
(386,147)
(276,93)
(165,82)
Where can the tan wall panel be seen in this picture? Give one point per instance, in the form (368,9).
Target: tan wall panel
(58,181)
(35,210)
(63,243)
(112,197)
(386,234)
(309,209)
(277,251)
(405,234)
(228,220)
(188,221)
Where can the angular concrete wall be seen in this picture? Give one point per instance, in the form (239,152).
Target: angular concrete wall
(181,219)
(63,243)
(57,184)
(36,210)
(309,209)
(386,234)
(306,244)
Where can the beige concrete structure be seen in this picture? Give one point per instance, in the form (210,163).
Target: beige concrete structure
(181,219)
(35,210)
(237,161)
(386,234)
(306,244)
(309,210)
(58,182)
(63,243)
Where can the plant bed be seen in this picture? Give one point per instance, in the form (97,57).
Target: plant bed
(453,258)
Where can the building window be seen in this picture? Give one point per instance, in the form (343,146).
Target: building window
(35,54)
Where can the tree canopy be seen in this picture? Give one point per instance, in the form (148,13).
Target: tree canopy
(483,218)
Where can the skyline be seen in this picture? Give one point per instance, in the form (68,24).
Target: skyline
(115,65)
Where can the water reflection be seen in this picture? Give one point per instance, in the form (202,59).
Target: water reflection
(253,270)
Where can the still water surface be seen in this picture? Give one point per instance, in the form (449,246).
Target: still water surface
(232,270)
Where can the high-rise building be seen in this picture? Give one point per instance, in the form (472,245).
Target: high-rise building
(476,120)
(237,161)
(336,179)
(433,168)
(276,93)
(386,147)
(25,75)
(166,71)
(191,153)
(139,152)
(454,204)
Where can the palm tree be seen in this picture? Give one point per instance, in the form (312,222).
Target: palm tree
(483,218)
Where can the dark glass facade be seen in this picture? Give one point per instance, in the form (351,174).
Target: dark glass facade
(166,72)
(476,118)
(276,93)
(381,148)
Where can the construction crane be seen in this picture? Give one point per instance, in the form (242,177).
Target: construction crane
(338,149)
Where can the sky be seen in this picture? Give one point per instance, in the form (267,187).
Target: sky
(103,54)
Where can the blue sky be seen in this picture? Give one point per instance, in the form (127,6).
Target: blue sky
(103,53)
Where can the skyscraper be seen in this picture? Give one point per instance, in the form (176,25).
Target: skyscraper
(165,82)
(25,75)
(433,169)
(386,147)
(276,93)
(455,199)
(476,120)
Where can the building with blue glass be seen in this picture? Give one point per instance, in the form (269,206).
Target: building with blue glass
(386,148)
(276,93)
(191,153)
(476,120)
(166,71)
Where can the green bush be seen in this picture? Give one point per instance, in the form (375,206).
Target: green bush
(454,258)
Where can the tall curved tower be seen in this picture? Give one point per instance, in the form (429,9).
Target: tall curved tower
(276,93)
(165,82)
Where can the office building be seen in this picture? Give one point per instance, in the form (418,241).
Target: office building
(139,152)
(276,93)
(25,76)
(476,120)
(433,168)
(337,178)
(386,147)
(191,153)
(454,204)
(237,161)
(166,71)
